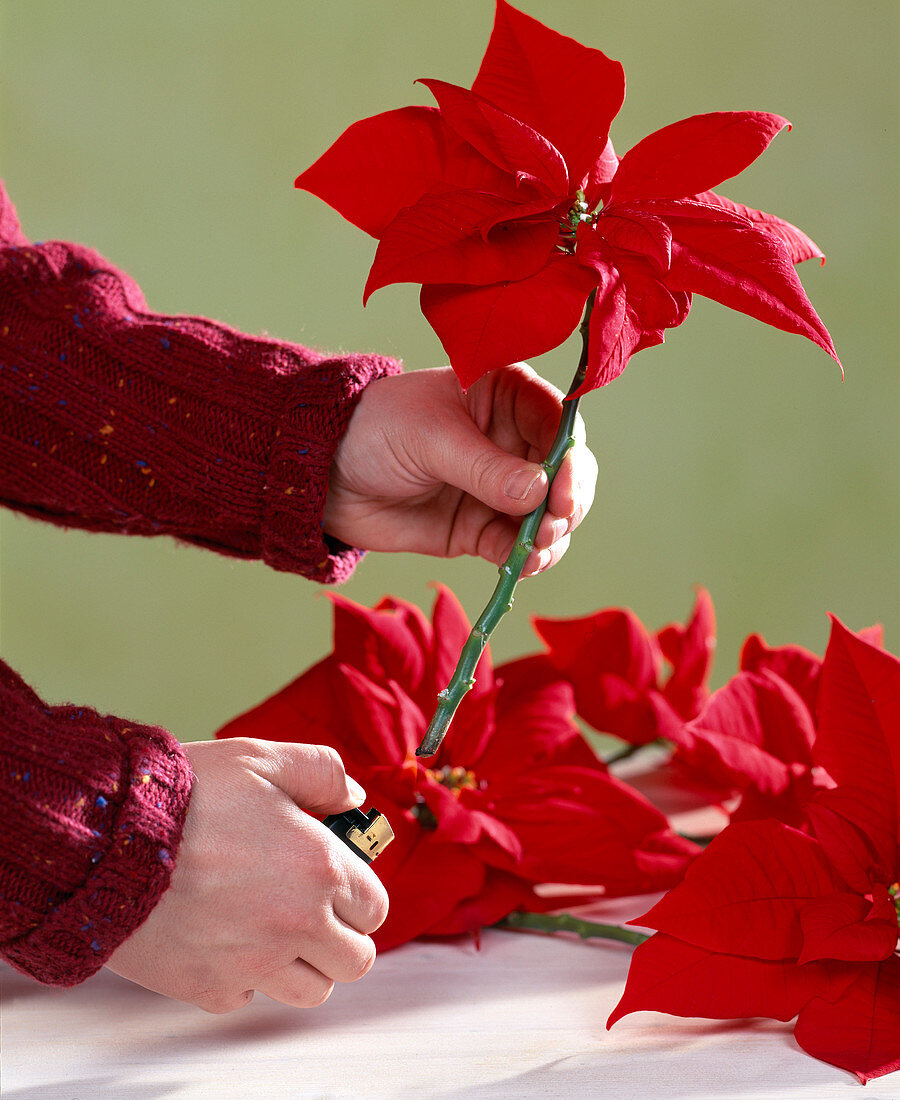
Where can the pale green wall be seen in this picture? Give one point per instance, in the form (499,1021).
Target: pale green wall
(168,134)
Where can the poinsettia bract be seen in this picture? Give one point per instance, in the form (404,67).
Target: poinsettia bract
(615,666)
(756,736)
(508,204)
(779,921)
(517,800)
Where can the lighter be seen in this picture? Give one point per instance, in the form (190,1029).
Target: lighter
(367,834)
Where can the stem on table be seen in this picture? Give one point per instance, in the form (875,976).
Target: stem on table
(463,678)
(565,922)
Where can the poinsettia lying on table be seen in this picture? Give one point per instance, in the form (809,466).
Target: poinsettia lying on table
(617,669)
(800,920)
(792,909)
(518,799)
(748,746)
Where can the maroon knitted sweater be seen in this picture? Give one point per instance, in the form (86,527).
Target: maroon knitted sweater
(113,418)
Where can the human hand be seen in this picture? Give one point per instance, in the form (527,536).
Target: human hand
(427,468)
(262,896)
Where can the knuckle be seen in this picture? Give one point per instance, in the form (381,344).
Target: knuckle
(306,988)
(484,469)
(218,1002)
(328,761)
(264,957)
(330,866)
(368,962)
(559,548)
(320,996)
(328,757)
(369,901)
(363,964)
(315,867)
(294,916)
(378,909)
(243,748)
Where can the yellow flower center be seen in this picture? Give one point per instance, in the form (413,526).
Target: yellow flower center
(577,213)
(455,778)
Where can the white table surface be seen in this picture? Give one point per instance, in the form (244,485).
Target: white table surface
(522,1017)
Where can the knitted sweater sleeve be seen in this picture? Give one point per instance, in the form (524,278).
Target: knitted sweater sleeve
(91,815)
(114,418)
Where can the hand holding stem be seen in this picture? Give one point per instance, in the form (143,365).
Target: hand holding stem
(510,571)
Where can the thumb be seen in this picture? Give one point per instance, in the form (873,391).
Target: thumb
(468,460)
(312,776)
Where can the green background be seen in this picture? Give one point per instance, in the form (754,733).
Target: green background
(167,135)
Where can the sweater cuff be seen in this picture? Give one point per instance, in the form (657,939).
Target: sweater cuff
(136,830)
(297,483)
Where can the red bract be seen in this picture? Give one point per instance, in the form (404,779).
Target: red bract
(616,668)
(508,204)
(756,735)
(517,798)
(793,664)
(774,921)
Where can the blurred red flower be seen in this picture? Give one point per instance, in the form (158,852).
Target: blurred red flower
(755,736)
(508,203)
(617,669)
(774,921)
(517,798)
(752,738)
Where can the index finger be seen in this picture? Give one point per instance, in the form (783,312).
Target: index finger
(361,901)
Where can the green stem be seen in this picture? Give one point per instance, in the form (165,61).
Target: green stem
(629,751)
(565,922)
(501,601)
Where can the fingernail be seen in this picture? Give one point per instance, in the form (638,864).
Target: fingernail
(355,790)
(541,562)
(521,483)
(558,528)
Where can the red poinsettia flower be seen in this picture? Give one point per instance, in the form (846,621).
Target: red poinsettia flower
(774,921)
(616,668)
(517,799)
(508,204)
(756,735)
(796,665)
(755,738)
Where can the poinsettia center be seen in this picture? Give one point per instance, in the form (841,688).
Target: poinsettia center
(894,891)
(578,212)
(456,779)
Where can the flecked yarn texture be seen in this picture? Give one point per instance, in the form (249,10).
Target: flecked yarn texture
(92,814)
(114,418)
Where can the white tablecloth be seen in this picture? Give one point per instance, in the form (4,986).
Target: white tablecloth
(522,1017)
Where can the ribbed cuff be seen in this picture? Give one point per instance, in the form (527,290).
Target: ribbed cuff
(135,855)
(314,421)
